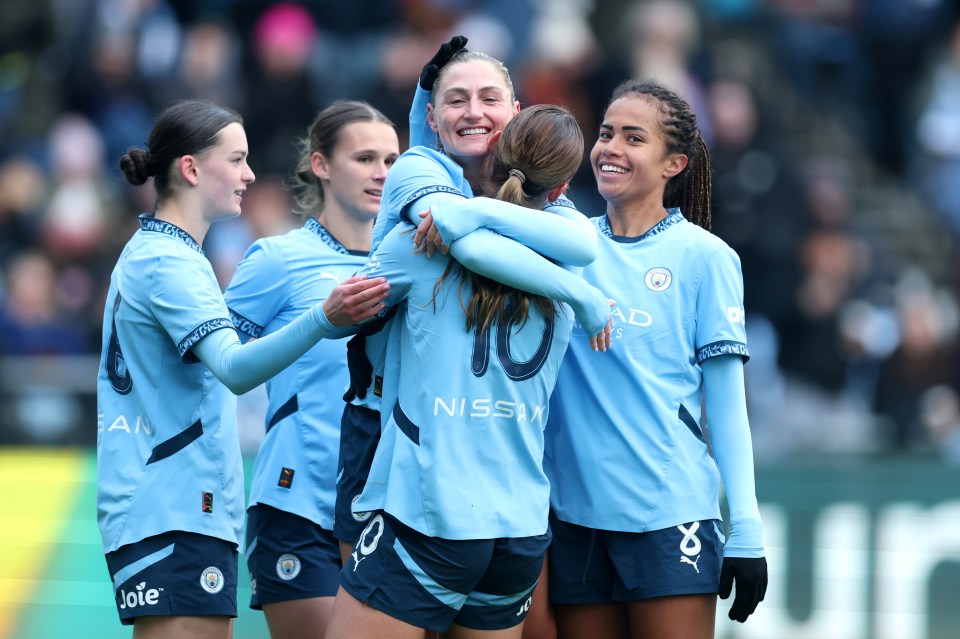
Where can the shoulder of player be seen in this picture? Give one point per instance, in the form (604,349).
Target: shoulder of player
(705,240)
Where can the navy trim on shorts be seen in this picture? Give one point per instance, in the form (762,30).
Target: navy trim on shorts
(130,570)
(289,408)
(176,443)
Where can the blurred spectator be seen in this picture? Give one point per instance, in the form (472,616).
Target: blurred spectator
(22,189)
(835,262)
(758,203)
(209,66)
(31,323)
(81,205)
(815,44)
(279,101)
(925,358)
(938,136)
(897,37)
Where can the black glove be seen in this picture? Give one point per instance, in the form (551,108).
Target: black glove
(446,51)
(751,577)
(361,370)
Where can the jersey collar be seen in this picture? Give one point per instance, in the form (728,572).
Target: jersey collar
(313,225)
(149,223)
(674,216)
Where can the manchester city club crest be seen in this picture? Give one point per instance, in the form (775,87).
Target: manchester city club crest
(288,567)
(212,580)
(658,279)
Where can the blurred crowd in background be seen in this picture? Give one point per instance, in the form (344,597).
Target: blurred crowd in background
(834,128)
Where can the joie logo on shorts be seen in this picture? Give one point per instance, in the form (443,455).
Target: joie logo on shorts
(368,541)
(142,596)
(288,567)
(212,580)
(690,545)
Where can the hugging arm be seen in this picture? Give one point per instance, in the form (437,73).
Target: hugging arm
(562,233)
(242,367)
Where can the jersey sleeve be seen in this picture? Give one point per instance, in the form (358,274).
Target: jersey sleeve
(186,301)
(720,316)
(420,132)
(522,268)
(395,260)
(416,173)
(259,289)
(565,235)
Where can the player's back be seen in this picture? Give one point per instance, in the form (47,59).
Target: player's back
(472,406)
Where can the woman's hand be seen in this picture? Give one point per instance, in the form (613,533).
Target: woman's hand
(428,236)
(355,299)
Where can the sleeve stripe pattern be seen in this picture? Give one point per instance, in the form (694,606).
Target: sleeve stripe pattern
(427,190)
(725,347)
(244,325)
(200,332)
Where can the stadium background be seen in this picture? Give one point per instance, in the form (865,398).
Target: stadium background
(834,127)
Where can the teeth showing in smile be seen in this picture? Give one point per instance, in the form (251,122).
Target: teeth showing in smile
(478,131)
(609,168)
(375,192)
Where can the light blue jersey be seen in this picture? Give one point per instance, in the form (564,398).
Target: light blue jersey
(465,438)
(679,294)
(278,279)
(168,454)
(418,172)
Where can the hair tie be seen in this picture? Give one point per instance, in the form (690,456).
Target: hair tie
(149,164)
(517,173)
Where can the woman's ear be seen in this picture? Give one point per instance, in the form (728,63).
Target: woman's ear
(556,192)
(676,163)
(431,118)
(189,169)
(318,164)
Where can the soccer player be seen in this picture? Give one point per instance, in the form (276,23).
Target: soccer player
(293,557)
(475,94)
(169,471)
(459,541)
(638,549)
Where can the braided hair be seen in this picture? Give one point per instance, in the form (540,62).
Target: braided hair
(691,189)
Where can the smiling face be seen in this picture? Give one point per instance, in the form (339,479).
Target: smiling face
(630,159)
(224,173)
(353,177)
(471,104)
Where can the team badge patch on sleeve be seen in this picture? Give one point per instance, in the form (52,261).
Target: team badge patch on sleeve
(206,502)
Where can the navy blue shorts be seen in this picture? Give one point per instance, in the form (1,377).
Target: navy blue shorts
(483,584)
(289,557)
(591,566)
(175,574)
(359,437)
